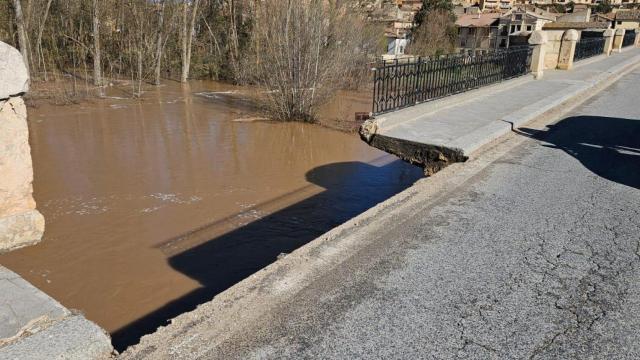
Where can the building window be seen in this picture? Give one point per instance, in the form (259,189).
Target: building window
(619,22)
(528,27)
(513,28)
(519,17)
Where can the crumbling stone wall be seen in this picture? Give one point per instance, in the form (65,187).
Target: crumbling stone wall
(20,223)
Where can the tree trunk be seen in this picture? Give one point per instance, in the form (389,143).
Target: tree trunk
(39,39)
(22,35)
(188,31)
(159,45)
(183,42)
(97,66)
(234,46)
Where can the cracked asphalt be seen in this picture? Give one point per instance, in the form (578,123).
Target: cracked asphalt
(535,257)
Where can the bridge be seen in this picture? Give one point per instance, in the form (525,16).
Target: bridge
(525,251)
(517,253)
(436,111)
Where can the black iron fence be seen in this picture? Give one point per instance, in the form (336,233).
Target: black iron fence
(629,38)
(399,84)
(588,47)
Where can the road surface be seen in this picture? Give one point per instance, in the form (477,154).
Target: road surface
(537,257)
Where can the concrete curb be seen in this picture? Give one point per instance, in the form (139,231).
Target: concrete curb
(72,338)
(35,326)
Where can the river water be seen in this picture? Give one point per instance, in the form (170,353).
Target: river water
(155,206)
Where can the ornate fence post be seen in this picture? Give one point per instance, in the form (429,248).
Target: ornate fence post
(617,40)
(537,40)
(567,49)
(608,41)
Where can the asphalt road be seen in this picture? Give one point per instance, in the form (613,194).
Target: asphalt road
(535,257)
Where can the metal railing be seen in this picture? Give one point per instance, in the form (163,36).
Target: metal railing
(589,47)
(629,38)
(399,84)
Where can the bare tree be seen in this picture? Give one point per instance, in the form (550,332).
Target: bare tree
(41,60)
(299,49)
(188,30)
(22,35)
(435,35)
(97,65)
(159,43)
(304,56)
(234,46)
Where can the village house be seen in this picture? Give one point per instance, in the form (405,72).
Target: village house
(627,19)
(515,26)
(606,18)
(580,13)
(495,5)
(397,17)
(478,31)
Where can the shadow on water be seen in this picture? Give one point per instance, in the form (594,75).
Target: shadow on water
(350,188)
(609,147)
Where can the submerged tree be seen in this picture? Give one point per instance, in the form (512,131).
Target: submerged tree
(189,13)
(309,44)
(303,51)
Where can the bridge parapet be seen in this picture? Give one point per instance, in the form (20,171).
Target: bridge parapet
(20,223)
(435,133)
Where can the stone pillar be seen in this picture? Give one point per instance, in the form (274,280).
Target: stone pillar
(567,49)
(537,40)
(20,223)
(617,40)
(608,41)
(552,48)
(637,37)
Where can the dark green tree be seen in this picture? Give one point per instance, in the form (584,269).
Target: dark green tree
(429,6)
(603,7)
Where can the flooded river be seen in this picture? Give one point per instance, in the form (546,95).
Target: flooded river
(155,206)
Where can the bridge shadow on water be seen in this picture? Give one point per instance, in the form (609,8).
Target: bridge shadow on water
(609,147)
(350,188)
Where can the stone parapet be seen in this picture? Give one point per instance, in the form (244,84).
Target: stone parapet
(567,49)
(14,78)
(617,40)
(20,223)
(552,48)
(608,41)
(538,40)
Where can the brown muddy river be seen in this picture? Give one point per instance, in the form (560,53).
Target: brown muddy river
(155,206)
